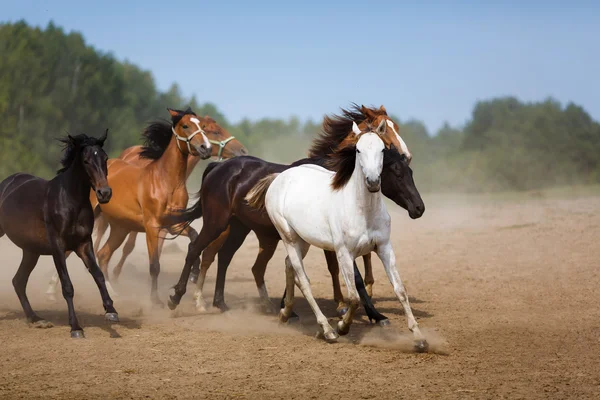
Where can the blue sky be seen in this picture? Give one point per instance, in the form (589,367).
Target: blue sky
(308,58)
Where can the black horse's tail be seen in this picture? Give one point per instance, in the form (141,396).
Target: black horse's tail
(183,219)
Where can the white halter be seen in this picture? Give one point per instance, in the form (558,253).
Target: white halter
(188,139)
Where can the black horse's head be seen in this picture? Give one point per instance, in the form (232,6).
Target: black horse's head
(398,185)
(93,158)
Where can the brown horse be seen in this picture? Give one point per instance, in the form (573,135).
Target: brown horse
(228,218)
(224,146)
(142,195)
(321,149)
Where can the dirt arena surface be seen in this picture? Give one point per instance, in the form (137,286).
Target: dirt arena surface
(506,289)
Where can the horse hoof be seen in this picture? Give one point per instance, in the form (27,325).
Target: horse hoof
(421,346)
(193,278)
(331,337)
(111,316)
(342,328)
(384,322)
(172,304)
(51,297)
(77,335)
(342,311)
(42,324)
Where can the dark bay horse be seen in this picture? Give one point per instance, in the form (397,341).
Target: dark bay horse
(56,217)
(227,214)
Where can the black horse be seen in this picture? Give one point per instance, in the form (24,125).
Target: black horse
(224,210)
(55,218)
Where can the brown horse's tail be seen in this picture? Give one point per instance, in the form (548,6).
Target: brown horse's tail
(256,195)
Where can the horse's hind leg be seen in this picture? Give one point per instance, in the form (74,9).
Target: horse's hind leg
(20,284)
(296,252)
(369,279)
(127,250)
(267,248)
(334,271)
(370,309)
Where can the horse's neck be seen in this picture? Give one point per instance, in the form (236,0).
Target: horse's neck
(366,201)
(192,161)
(173,163)
(75,181)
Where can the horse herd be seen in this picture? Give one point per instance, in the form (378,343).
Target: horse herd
(332,200)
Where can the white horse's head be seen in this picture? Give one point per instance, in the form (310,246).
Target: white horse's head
(369,154)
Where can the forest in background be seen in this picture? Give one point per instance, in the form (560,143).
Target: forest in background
(52,82)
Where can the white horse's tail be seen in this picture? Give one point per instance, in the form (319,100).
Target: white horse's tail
(256,195)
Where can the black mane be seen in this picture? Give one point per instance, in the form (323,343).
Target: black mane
(72,145)
(157,135)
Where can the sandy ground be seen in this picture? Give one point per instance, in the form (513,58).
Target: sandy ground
(506,291)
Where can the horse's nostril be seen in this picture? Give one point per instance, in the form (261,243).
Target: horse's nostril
(203,146)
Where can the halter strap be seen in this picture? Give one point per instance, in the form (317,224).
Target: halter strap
(188,139)
(221,145)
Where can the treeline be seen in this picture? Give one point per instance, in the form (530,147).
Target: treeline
(51,82)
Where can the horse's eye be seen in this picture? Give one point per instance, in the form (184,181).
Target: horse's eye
(184,126)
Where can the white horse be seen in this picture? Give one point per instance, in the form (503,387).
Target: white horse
(342,212)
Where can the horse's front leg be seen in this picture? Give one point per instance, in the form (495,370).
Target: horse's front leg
(60,262)
(86,253)
(154,242)
(369,279)
(346,263)
(192,234)
(388,258)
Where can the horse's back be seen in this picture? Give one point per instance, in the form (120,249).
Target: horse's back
(299,200)
(22,210)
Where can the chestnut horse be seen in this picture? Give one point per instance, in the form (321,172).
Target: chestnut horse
(55,218)
(335,134)
(226,214)
(225,147)
(143,195)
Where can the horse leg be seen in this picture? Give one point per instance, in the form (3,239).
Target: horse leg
(100,226)
(192,235)
(334,270)
(212,228)
(127,250)
(115,239)
(346,262)
(370,310)
(388,258)
(234,240)
(86,253)
(154,241)
(369,280)
(67,288)
(28,262)
(296,252)
(52,285)
(208,257)
(267,247)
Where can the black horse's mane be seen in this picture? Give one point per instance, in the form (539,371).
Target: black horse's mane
(72,145)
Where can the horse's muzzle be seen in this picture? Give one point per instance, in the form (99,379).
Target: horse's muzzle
(204,152)
(374,186)
(103,195)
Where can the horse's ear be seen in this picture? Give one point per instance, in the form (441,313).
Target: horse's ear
(189,110)
(71,139)
(381,128)
(355,129)
(383,110)
(103,138)
(174,113)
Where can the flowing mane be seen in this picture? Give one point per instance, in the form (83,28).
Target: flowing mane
(336,129)
(72,145)
(157,136)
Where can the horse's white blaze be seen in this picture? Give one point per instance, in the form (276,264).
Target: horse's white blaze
(403,147)
(350,221)
(197,122)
